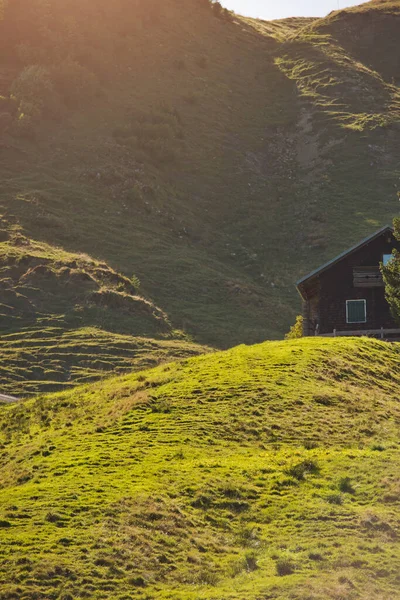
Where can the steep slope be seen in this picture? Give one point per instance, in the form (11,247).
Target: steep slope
(369,32)
(261,472)
(218,159)
(66,319)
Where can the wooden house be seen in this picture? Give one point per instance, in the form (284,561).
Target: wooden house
(346,296)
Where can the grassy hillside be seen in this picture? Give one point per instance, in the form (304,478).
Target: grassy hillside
(217,159)
(66,319)
(261,472)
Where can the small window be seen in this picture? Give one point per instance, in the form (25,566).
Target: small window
(356,311)
(386,259)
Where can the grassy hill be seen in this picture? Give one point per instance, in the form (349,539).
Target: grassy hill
(218,159)
(66,319)
(168,170)
(261,472)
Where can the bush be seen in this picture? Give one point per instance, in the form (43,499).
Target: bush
(391,276)
(345,486)
(251,561)
(285,566)
(301,469)
(378,448)
(217,9)
(33,85)
(315,556)
(4,524)
(34,92)
(135,281)
(296,330)
(154,136)
(335,499)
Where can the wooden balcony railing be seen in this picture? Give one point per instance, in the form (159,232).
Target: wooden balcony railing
(381,333)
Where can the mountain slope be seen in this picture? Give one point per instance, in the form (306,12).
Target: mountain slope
(217,159)
(67,319)
(262,472)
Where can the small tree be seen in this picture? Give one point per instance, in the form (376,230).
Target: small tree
(391,276)
(219,11)
(296,330)
(34,93)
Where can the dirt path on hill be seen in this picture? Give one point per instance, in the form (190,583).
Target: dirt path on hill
(7,399)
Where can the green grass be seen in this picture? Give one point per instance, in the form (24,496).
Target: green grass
(51,358)
(67,319)
(262,472)
(219,162)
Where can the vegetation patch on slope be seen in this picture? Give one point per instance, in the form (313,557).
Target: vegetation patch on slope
(262,472)
(67,318)
(218,159)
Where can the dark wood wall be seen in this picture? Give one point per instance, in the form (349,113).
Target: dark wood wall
(326,304)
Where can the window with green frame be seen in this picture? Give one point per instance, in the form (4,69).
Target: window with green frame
(356,311)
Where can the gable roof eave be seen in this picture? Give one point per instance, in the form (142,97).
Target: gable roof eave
(342,255)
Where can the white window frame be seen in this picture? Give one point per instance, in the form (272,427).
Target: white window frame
(347,311)
(390,257)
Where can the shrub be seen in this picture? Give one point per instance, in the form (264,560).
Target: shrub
(345,486)
(4,524)
(33,85)
(34,93)
(217,9)
(207,577)
(135,281)
(153,136)
(301,469)
(378,448)
(315,556)
(222,13)
(251,561)
(391,276)
(53,517)
(203,501)
(285,566)
(296,330)
(335,499)
(138,581)
(162,407)
(248,536)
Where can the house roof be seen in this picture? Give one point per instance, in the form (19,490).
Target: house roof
(342,255)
